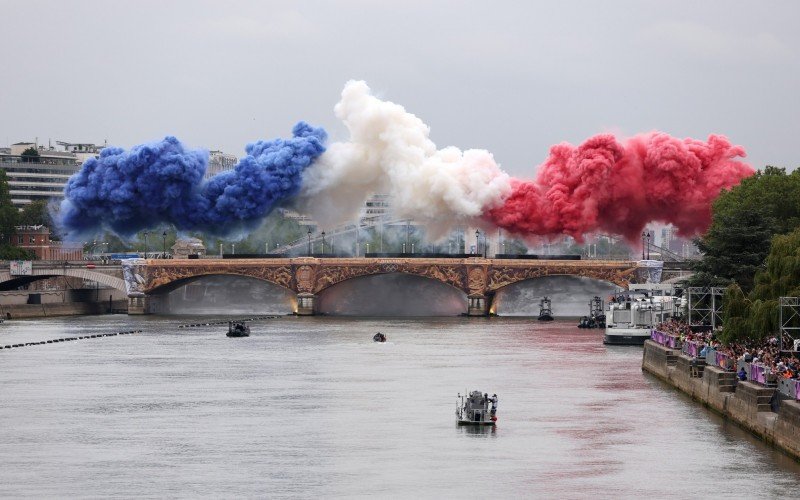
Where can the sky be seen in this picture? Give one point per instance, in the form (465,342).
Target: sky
(510,77)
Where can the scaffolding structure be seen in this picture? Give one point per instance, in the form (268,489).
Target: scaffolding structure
(705,305)
(789,320)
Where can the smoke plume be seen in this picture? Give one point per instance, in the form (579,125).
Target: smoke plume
(162,183)
(389,152)
(607,186)
(603,185)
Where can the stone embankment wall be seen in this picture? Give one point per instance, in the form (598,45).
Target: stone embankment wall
(23,311)
(746,403)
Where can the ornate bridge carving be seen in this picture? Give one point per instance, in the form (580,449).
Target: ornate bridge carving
(473,276)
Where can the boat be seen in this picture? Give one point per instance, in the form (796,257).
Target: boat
(238,329)
(596,317)
(545,313)
(631,315)
(475,410)
(379,337)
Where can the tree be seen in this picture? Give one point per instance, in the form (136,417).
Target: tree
(744,221)
(8,213)
(756,315)
(735,246)
(35,214)
(30,155)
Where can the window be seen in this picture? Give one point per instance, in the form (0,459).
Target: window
(31,239)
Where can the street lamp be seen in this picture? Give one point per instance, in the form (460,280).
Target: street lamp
(164,237)
(145,244)
(309,242)
(323,242)
(646,235)
(477,241)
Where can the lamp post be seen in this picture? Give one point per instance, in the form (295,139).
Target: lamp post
(408,234)
(365,254)
(309,242)
(233,248)
(323,242)
(145,244)
(477,242)
(646,235)
(164,237)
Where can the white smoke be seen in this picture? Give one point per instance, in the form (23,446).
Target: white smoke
(389,152)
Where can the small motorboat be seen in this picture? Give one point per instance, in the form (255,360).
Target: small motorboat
(379,337)
(238,329)
(596,317)
(545,313)
(474,409)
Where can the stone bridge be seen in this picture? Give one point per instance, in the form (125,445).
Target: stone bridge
(109,275)
(306,277)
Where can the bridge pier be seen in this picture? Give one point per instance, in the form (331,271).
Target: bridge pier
(305,304)
(137,305)
(478,305)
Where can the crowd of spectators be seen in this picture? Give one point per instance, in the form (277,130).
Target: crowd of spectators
(764,352)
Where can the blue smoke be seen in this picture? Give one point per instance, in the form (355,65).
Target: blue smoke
(162,183)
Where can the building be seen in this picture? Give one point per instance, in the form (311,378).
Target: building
(185,247)
(42,177)
(219,162)
(36,239)
(82,151)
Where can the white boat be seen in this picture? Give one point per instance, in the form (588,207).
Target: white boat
(474,409)
(632,315)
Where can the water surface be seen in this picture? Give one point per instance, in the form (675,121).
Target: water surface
(312,407)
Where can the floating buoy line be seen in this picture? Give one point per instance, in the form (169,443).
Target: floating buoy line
(130,332)
(68,339)
(212,323)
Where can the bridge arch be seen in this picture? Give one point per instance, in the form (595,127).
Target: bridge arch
(176,282)
(501,277)
(392,294)
(565,275)
(451,275)
(569,295)
(8,282)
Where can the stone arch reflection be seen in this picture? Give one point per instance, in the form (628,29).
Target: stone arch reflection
(570,295)
(392,294)
(225,294)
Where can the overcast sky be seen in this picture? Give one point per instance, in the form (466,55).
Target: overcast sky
(510,77)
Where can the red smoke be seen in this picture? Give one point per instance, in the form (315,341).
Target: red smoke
(607,186)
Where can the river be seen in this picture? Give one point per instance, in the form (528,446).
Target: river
(312,407)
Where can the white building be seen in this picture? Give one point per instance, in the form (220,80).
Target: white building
(219,162)
(40,177)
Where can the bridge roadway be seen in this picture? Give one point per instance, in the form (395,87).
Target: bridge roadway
(146,282)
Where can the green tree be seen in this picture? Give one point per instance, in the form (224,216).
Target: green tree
(8,213)
(30,155)
(36,213)
(744,221)
(756,315)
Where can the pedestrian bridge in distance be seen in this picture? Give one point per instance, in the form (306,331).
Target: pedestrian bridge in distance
(148,281)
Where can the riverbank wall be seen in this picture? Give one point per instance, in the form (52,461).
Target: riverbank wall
(22,304)
(27,311)
(745,403)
